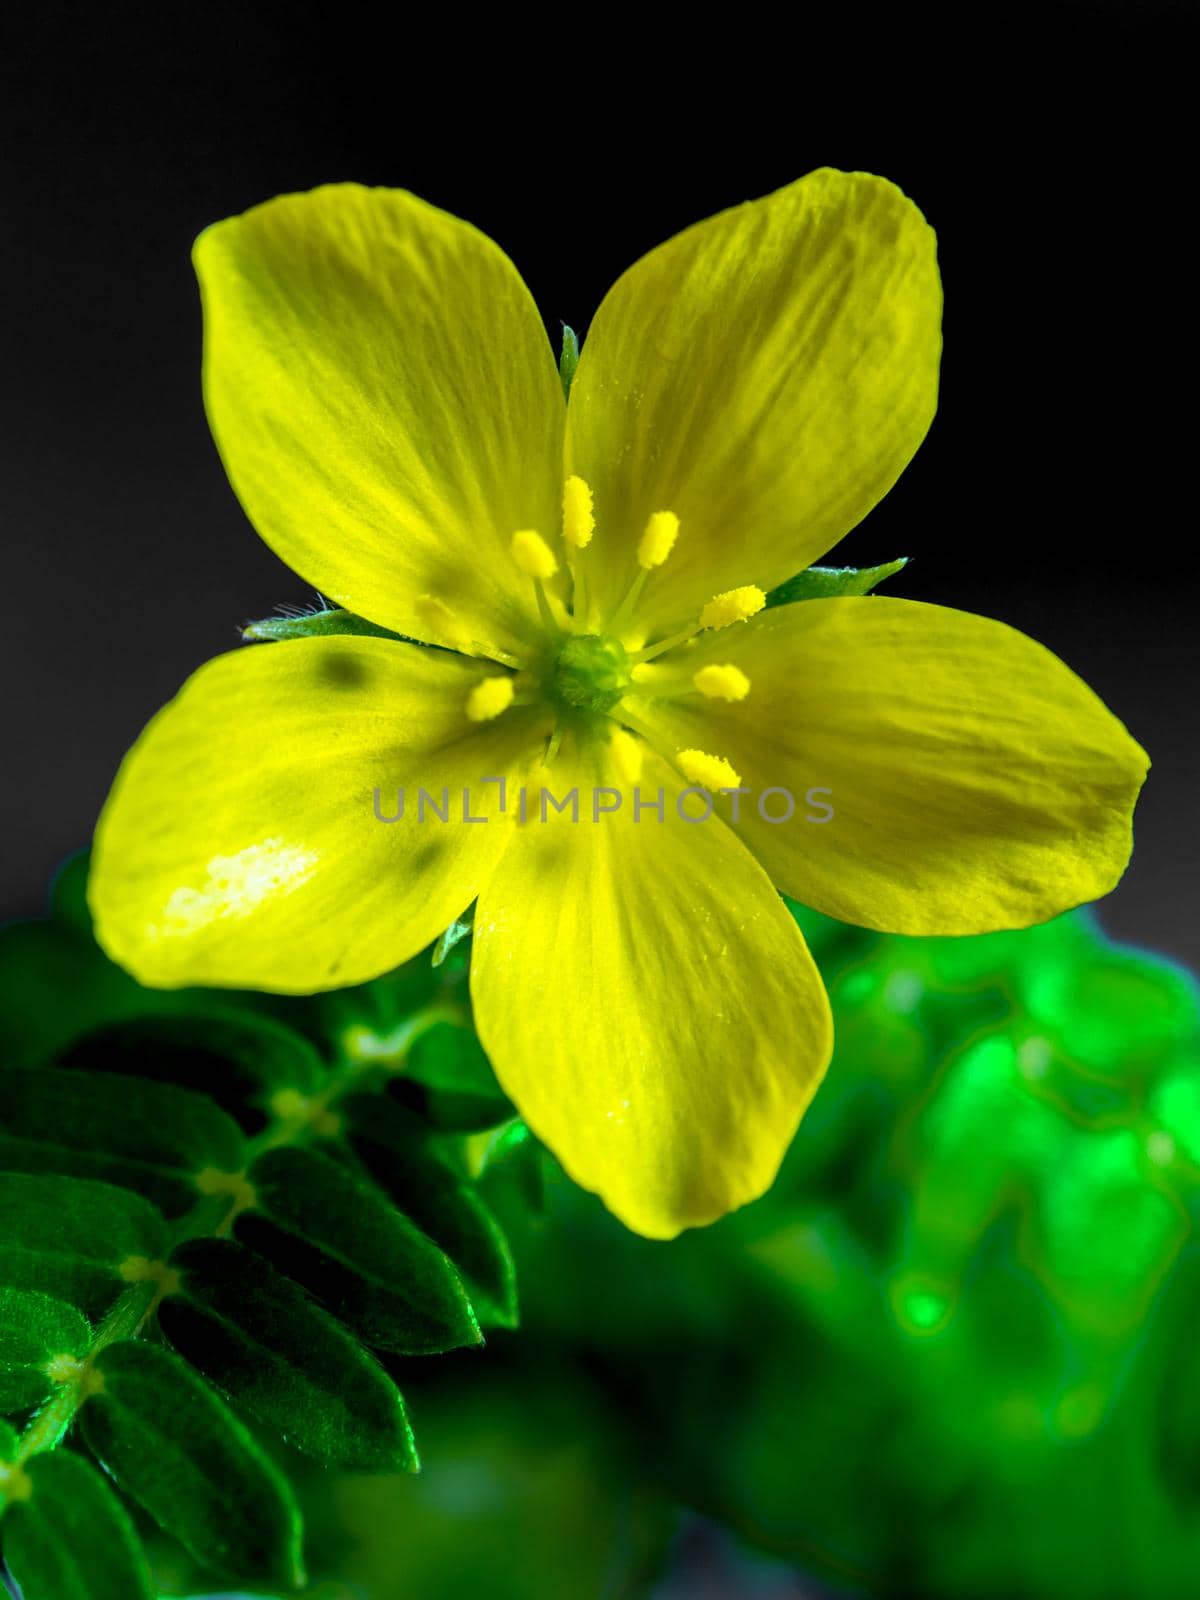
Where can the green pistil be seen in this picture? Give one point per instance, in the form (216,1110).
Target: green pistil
(591,673)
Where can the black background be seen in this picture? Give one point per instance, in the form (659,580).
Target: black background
(1048,145)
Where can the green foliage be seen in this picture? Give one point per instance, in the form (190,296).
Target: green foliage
(174,1445)
(183,1170)
(67,1537)
(35,1331)
(829,583)
(276,1354)
(568,358)
(336,1234)
(70,1237)
(314,625)
(147,1136)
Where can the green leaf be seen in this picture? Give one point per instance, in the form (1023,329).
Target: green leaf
(67,1237)
(175,1447)
(70,1538)
(458,930)
(240,1060)
(569,358)
(152,1137)
(336,1234)
(34,1328)
(828,583)
(440,1200)
(9,1442)
(315,625)
(261,1340)
(449,1080)
(68,894)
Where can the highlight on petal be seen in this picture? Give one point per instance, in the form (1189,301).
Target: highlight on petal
(647,1001)
(385,400)
(254,836)
(767,374)
(963,779)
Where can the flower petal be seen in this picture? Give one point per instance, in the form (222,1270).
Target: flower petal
(384,396)
(766,375)
(648,1004)
(240,844)
(977,783)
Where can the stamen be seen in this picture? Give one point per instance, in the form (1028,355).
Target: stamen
(735,605)
(659,538)
(709,772)
(722,682)
(533,555)
(489,698)
(579,521)
(626,754)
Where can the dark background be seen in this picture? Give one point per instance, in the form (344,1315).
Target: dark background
(1048,145)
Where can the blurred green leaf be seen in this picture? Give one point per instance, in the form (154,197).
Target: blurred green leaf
(34,1328)
(336,1234)
(71,1539)
(454,935)
(67,1237)
(262,1341)
(240,1061)
(449,1079)
(152,1137)
(176,1448)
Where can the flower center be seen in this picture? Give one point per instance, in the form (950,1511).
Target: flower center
(591,673)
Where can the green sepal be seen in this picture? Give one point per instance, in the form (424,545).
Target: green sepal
(34,1328)
(449,1080)
(568,359)
(67,1237)
(427,1187)
(263,1342)
(461,928)
(336,1234)
(828,583)
(315,625)
(71,1539)
(176,1448)
(152,1137)
(240,1061)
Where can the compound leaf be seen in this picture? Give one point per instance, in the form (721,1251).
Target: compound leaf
(261,1340)
(67,1536)
(152,1137)
(336,1234)
(427,1188)
(34,1329)
(68,1237)
(175,1447)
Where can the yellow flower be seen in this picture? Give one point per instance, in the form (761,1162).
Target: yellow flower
(386,404)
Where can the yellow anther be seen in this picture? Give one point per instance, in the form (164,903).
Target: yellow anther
(579,521)
(234,1184)
(533,555)
(14,1483)
(722,682)
(489,698)
(140,1269)
(709,772)
(658,539)
(735,605)
(64,1368)
(626,754)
